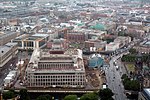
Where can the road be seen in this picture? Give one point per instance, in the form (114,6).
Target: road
(6,68)
(113,78)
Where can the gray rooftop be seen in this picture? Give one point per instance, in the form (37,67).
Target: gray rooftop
(5,48)
(2,34)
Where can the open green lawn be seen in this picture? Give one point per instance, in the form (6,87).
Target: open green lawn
(130,67)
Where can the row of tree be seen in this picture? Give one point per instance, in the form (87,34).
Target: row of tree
(23,94)
(128,58)
(103,94)
(132,58)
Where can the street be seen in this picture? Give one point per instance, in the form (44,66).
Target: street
(6,68)
(113,78)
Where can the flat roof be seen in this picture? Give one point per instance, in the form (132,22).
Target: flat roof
(2,34)
(41,35)
(23,36)
(32,37)
(5,48)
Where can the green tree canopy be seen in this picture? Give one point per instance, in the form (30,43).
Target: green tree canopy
(129,84)
(128,58)
(89,96)
(8,95)
(24,94)
(108,40)
(133,85)
(70,97)
(106,94)
(44,97)
(124,76)
(132,51)
(41,98)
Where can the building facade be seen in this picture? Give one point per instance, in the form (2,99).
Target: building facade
(7,52)
(77,37)
(31,42)
(56,70)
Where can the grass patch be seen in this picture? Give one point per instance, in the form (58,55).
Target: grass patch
(130,67)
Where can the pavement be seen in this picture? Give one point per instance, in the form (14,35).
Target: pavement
(113,78)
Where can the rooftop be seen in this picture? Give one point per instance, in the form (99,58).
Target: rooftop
(2,34)
(5,48)
(96,61)
(146,92)
(40,35)
(45,57)
(32,37)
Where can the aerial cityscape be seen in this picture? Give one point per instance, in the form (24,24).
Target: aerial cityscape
(74,49)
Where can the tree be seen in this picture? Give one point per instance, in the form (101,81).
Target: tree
(41,98)
(128,58)
(70,97)
(90,96)
(8,95)
(106,94)
(124,76)
(129,84)
(44,97)
(24,94)
(132,51)
(108,40)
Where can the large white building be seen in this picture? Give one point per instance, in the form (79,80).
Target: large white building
(31,42)
(60,69)
(112,46)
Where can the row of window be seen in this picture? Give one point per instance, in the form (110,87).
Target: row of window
(57,80)
(57,76)
(41,65)
(57,84)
